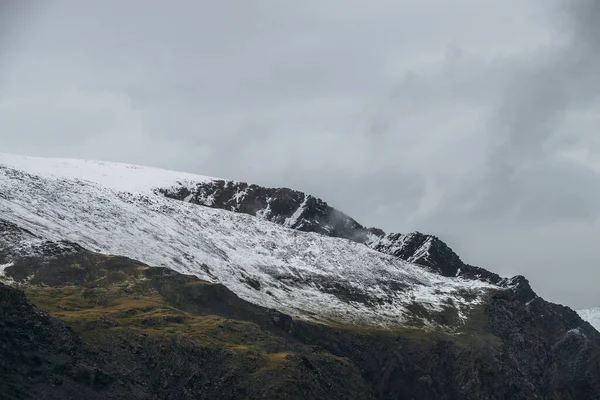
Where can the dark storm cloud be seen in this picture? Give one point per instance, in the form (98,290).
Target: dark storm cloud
(473,120)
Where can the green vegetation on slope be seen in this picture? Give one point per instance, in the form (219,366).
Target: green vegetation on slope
(152,326)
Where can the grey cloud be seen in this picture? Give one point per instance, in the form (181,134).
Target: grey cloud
(531,209)
(532,113)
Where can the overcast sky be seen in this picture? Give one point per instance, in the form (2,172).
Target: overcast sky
(475,120)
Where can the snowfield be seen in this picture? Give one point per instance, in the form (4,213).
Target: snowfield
(117,176)
(591,315)
(113,208)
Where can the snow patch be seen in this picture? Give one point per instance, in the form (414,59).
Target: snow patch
(422,252)
(591,315)
(576,331)
(5,279)
(239,196)
(264,214)
(3,267)
(291,221)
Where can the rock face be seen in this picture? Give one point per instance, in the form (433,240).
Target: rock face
(287,207)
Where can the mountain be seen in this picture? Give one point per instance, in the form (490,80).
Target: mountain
(303,274)
(159,283)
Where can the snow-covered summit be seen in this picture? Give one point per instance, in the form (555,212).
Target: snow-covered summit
(115,208)
(113,175)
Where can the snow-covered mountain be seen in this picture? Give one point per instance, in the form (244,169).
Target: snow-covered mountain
(591,315)
(121,209)
(375,315)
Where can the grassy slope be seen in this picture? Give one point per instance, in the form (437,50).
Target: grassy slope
(117,302)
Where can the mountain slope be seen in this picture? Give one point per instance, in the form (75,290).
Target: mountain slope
(130,331)
(303,212)
(140,332)
(306,275)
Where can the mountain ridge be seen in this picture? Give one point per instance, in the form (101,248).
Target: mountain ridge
(297,210)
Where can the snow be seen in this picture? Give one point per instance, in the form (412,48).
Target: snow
(422,252)
(395,243)
(266,212)
(392,243)
(113,208)
(117,176)
(591,315)
(4,266)
(291,221)
(576,331)
(239,196)
(531,301)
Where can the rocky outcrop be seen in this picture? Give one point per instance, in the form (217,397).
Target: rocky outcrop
(283,206)
(431,252)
